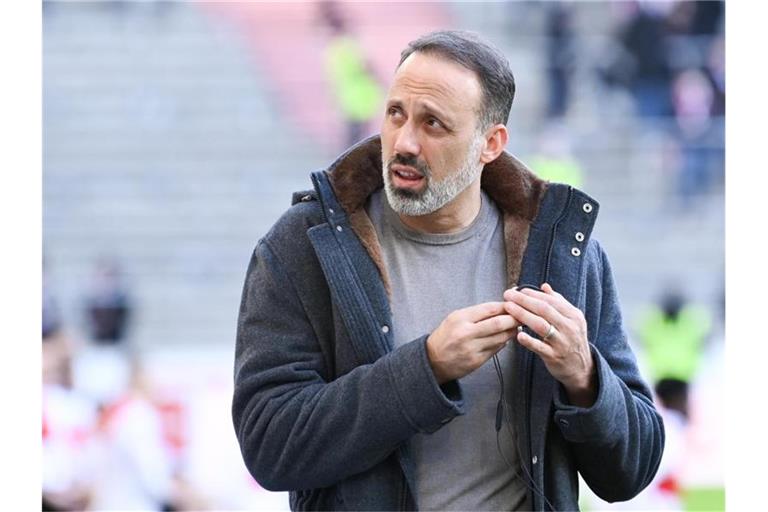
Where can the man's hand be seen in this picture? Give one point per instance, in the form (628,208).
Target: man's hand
(565,351)
(467,338)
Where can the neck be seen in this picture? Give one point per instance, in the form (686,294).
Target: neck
(454,216)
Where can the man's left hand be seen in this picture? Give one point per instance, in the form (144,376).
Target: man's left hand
(563,347)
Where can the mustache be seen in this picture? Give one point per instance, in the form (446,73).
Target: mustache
(410,161)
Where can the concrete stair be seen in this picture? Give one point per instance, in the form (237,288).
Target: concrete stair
(161,147)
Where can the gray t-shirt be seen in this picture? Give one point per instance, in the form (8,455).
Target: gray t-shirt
(459,467)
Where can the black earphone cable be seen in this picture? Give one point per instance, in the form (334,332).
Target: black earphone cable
(502,416)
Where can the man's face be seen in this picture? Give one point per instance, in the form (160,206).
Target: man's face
(430,142)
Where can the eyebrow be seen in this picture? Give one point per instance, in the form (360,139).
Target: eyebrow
(430,109)
(427,107)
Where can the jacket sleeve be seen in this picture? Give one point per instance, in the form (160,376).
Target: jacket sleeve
(297,429)
(618,441)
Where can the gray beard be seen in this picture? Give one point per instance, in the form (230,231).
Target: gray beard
(437,193)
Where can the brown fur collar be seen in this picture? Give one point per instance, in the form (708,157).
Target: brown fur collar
(507,181)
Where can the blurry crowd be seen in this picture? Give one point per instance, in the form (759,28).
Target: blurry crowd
(670,57)
(667,57)
(111,440)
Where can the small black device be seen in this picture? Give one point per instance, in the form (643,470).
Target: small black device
(525,328)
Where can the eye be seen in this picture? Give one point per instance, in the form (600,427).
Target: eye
(434,122)
(394,111)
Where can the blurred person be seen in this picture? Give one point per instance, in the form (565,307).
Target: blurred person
(673,333)
(640,61)
(134,468)
(107,304)
(350,74)
(699,136)
(561,55)
(68,423)
(370,367)
(554,160)
(666,490)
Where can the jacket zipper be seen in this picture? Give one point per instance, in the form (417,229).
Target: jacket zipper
(530,356)
(552,236)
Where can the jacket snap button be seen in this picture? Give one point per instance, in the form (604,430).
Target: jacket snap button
(330,210)
(306,198)
(587,207)
(576,252)
(535,459)
(338,228)
(579,236)
(385,329)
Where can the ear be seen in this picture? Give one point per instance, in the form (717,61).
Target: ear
(496,138)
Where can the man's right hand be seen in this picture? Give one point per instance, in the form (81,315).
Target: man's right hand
(467,338)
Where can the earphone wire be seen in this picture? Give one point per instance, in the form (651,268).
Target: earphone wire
(497,365)
(508,421)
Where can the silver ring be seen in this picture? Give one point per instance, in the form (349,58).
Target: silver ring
(550,332)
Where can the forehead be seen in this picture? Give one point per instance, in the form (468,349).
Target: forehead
(435,79)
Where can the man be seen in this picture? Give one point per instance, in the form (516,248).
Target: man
(374,368)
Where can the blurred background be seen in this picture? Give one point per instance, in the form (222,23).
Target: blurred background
(174,134)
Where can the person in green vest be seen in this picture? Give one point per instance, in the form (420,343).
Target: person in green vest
(673,334)
(355,88)
(554,160)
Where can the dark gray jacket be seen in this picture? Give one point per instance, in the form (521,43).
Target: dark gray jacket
(324,406)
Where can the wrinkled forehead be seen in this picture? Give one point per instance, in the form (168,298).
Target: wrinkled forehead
(432,77)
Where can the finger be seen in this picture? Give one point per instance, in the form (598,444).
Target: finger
(560,303)
(536,346)
(538,324)
(480,312)
(495,324)
(539,307)
(555,300)
(495,342)
(508,293)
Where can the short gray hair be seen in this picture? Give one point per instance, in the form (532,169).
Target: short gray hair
(474,53)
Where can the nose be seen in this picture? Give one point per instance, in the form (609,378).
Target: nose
(406,140)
